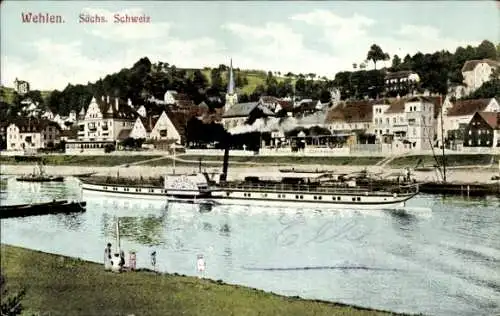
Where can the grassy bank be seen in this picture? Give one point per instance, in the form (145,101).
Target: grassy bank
(57,285)
(301,160)
(68,160)
(451,160)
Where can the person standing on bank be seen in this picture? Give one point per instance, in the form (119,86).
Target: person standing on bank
(107,257)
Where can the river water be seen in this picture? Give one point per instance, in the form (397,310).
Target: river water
(437,256)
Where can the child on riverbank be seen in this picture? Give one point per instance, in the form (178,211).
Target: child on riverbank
(107,257)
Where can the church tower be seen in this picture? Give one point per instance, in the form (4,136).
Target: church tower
(231,96)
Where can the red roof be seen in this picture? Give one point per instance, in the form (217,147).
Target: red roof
(124,111)
(492,118)
(149,122)
(396,106)
(468,107)
(34,125)
(285,105)
(179,119)
(351,112)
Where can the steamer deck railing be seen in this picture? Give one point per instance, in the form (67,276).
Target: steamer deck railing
(322,189)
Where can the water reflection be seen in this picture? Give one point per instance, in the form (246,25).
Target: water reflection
(403,220)
(207,226)
(147,231)
(70,221)
(329,228)
(348,256)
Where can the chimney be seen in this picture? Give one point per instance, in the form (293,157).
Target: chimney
(129,102)
(116,104)
(107,99)
(102,98)
(225,164)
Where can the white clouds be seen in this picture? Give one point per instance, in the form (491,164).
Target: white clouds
(346,28)
(275,46)
(419,31)
(125,32)
(350,37)
(56,65)
(317,41)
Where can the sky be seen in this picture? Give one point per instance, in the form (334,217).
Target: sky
(302,37)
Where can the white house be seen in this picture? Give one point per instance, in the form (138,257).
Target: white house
(348,117)
(105,121)
(32,134)
(21,86)
(401,82)
(406,123)
(180,100)
(65,122)
(170,126)
(458,114)
(142,111)
(142,127)
(48,114)
(389,119)
(239,113)
(477,72)
(420,115)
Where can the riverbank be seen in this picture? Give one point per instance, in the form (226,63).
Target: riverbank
(59,285)
(478,174)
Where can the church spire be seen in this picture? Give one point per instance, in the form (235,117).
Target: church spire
(230,85)
(231,97)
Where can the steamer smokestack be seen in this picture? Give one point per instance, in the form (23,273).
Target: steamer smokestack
(225,163)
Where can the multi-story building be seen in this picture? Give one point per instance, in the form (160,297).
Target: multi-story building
(477,72)
(401,83)
(420,114)
(32,134)
(21,86)
(406,123)
(483,130)
(105,121)
(348,117)
(457,115)
(239,113)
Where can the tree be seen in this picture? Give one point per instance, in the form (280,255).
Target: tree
(199,80)
(396,62)
(489,89)
(486,50)
(495,73)
(216,79)
(376,54)
(11,303)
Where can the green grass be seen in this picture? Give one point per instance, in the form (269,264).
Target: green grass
(58,285)
(278,160)
(8,94)
(451,160)
(68,160)
(254,77)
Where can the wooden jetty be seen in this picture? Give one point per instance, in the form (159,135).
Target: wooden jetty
(54,207)
(466,189)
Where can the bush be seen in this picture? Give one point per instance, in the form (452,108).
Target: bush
(11,303)
(109,148)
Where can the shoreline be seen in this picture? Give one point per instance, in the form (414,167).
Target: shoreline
(15,270)
(454,175)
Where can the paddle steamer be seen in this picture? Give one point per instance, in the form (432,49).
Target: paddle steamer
(294,190)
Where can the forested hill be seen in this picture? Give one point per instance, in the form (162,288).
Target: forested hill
(145,79)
